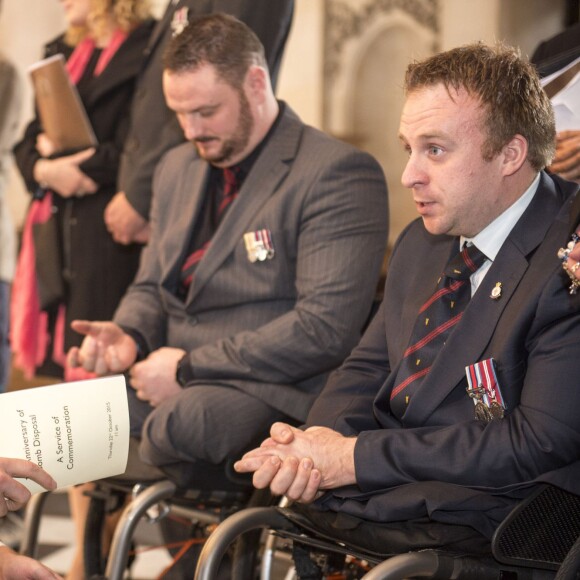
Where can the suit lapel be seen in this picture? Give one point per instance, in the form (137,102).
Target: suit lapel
(269,170)
(470,338)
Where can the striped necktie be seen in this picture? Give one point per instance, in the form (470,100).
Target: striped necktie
(228,194)
(435,321)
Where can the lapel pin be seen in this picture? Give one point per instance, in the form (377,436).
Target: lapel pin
(496,292)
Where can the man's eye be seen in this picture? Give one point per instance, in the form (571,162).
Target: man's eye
(434,150)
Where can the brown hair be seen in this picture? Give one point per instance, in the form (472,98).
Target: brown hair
(219,40)
(126,15)
(508,88)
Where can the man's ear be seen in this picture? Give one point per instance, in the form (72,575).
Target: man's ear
(514,154)
(257,81)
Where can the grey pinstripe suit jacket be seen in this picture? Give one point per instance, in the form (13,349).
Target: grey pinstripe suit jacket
(274,328)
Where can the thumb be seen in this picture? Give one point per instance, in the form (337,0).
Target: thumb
(83,155)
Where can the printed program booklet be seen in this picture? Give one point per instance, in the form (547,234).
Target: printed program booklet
(60,108)
(77,432)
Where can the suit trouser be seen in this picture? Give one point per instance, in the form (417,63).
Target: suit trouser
(194,434)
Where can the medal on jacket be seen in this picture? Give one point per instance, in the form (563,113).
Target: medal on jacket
(259,245)
(483,388)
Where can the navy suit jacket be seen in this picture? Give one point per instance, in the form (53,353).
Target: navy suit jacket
(437,460)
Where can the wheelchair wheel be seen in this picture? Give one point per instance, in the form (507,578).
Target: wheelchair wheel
(102,503)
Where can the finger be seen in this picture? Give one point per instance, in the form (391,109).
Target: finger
(300,483)
(268,442)
(113,360)
(282,433)
(29,470)
(88,353)
(14,494)
(265,474)
(86,327)
(83,155)
(250,464)
(72,357)
(285,476)
(312,489)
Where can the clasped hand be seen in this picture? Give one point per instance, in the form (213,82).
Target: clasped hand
(301,464)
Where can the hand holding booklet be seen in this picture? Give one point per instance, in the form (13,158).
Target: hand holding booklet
(77,432)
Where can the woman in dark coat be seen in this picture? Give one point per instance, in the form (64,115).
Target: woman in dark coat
(104,50)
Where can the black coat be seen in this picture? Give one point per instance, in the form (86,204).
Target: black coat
(95,269)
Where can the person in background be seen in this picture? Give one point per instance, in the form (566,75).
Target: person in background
(13,497)
(103,47)
(10,97)
(461,397)
(153,127)
(550,56)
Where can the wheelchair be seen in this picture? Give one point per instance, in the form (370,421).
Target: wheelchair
(147,493)
(539,539)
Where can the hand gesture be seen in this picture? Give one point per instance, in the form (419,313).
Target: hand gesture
(105,349)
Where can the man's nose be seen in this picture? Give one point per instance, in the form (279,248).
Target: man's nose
(412,174)
(192,127)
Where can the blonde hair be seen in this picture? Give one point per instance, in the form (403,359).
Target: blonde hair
(124,14)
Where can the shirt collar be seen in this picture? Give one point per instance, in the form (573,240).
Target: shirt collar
(492,237)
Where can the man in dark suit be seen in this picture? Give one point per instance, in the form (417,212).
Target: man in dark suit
(153,127)
(244,301)
(415,439)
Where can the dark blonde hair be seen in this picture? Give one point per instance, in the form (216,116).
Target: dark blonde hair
(508,88)
(125,14)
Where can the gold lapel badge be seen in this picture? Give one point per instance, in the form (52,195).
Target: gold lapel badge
(496,291)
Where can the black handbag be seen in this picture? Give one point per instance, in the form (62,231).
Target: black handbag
(48,263)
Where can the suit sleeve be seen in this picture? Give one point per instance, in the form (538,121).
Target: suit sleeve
(540,435)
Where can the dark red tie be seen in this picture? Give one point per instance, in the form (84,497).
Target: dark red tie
(228,194)
(435,321)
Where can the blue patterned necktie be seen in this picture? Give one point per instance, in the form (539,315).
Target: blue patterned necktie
(435,322)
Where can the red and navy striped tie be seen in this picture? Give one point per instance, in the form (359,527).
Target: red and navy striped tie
(435,322)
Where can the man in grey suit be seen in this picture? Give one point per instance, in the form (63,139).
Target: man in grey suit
(245,299)
(153,129)
(428,443)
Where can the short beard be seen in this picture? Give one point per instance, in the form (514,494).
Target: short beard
(239,140)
